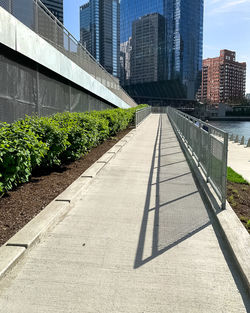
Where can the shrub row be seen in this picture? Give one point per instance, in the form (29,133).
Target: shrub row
(49,141)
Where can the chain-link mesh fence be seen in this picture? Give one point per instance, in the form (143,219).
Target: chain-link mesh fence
(140,115)
(208,146)
(6,4)
(35,15)
(27,88)
(162,109)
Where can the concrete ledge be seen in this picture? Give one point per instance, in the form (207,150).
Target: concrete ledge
(238,238)
(74,189)
(235,234)
(93,170)
(106,158)
(115,149)
(34,230)
(123,142)
(9,257)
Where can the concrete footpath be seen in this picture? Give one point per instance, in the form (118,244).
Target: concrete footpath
(139,240)
(239,159)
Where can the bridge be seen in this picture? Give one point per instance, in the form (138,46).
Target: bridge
(44,69)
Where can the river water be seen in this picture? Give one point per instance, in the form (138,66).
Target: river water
(234,127)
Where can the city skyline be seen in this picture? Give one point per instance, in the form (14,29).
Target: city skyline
(180,41)
(100,32)
(226,25)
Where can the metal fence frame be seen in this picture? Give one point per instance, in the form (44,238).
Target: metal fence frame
(140,115)
(159,110)
(47,26)
(208,146)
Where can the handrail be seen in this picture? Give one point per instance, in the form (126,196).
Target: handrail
(208,145)
(141,114)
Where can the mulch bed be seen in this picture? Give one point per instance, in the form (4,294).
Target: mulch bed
(19,206)
(238,195)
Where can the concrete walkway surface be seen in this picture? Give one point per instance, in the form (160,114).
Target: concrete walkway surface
(239,159)
(139,240)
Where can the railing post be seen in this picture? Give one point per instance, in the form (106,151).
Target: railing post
(199,144)
(36,18)
(209,154)
(224,169)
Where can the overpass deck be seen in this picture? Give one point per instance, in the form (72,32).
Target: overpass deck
(141,239)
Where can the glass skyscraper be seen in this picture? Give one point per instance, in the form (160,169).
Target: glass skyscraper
(183,36)
(56,8)
(147,53)
(100,32)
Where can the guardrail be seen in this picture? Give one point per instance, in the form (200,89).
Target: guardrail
(208,146)
(140,115)
(35,15)
(162,109)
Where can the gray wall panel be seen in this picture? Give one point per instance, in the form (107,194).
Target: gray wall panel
(27,88)
(53,94)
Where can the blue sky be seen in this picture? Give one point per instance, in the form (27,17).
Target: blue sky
(226,26)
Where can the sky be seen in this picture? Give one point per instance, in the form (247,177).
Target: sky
(226,26)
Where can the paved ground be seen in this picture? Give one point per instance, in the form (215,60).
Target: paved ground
(140,240)
(239,159)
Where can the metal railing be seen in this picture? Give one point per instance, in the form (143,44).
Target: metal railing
(140,115)
(208,146)
(35,15)
(161,109)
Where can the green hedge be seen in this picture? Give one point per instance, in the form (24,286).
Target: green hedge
(49,141)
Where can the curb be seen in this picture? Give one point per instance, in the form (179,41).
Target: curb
(15,248)
(234,233)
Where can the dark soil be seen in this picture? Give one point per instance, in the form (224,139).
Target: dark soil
(19,206)
(238,195)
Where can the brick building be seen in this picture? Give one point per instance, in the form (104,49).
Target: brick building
(223,79)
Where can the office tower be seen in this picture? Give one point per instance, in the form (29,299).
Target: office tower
(223,79)
(183,36)
(125,56)
(100,32)
(85,34)
(148,48)
(56,8)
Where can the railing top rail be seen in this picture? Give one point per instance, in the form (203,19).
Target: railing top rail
(192,118)
(147,108)
(209,152)
(42,5)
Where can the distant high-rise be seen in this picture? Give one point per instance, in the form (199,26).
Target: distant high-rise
(148,47)
(100,32)
(56,8)
(125,57)
(85,34)
(183,36)
(223,79)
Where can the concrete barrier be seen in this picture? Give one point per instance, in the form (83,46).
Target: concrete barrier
(242,142)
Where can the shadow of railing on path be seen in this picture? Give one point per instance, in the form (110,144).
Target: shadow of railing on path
(165,236)
(158,226)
